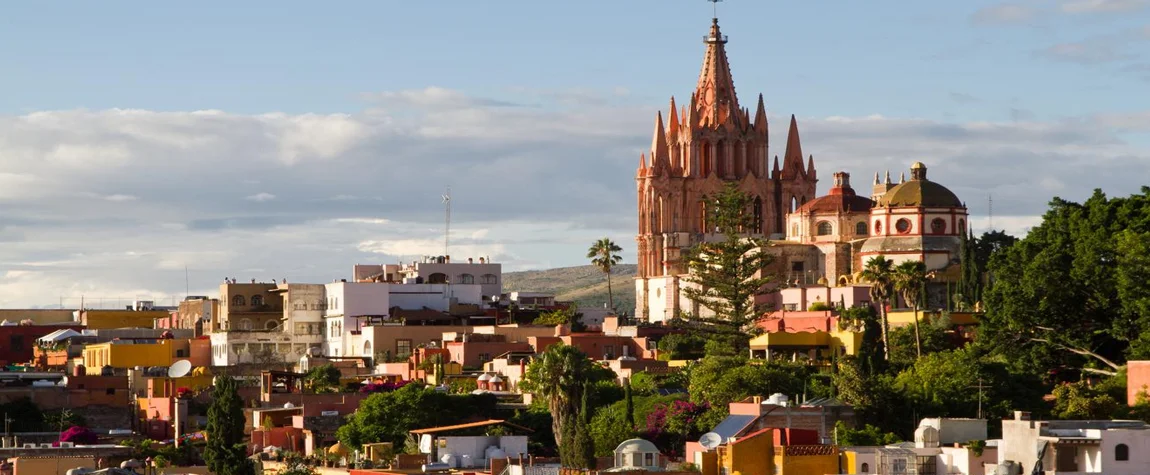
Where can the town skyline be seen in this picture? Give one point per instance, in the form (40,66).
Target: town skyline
(115,190)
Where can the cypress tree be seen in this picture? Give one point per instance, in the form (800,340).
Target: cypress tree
(584,447)
(970,284)
(226,453)
(627,395)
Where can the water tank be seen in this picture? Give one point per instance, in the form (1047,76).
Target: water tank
(449,460)
(778,399)
(1008,467)
(78,370)
(494,452)
(435,467)
(465,461)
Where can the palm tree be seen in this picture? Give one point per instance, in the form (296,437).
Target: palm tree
(558,376)
(604,255)
(910,281)
(879,272)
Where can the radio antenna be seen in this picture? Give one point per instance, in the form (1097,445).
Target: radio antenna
(447,222)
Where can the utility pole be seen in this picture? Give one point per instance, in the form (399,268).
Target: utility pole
(447,222)
(980,387)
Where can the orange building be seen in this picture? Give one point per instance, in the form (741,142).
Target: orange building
(711,142)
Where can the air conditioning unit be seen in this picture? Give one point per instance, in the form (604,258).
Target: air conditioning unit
(45,446)
(29,446)
(67,445)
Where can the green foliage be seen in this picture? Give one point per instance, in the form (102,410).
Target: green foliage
(720,380)
(1080,401)
(558,376)
(629,398)
(225,452)
(604,254)
(934,333)
(609,428)
(820,307)
(388,416)
(462,385)
(727,274)
(1051,297)
(682,346)
(976,447)
(867,436)
(910,282)
(879,272)
(323,379)
(26,416)
(583,454)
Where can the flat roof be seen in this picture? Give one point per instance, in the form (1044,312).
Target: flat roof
(470,425)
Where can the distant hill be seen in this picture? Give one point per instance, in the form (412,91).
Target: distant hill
(585,285)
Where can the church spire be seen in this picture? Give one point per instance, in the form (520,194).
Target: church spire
(660,159)
(793,156)
(673,121)
(716,88)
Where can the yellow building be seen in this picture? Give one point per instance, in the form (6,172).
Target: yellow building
(814,345)
(807,459)
(129,354)
(110,319)
(756,453)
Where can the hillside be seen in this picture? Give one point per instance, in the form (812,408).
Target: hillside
(585,285)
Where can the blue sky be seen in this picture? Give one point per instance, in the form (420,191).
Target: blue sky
(294,139)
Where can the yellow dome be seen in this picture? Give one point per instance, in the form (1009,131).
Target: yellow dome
(917,165)
(919,192)
(337,449)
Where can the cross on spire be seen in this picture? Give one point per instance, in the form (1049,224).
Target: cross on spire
(715,7)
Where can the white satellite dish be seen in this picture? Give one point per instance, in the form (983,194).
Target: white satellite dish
(180,369)
(425,444)
(710,440)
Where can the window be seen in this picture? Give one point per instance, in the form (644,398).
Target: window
(860,229)
(402,348)
(489,279)
(648,459)
(238,300)
(1121,452)
(271,325)
(110,391)
(437,278)
(367,348)
(898,466)
(336,306)
(938,226)
(865,468)
(608,352)
(878,227)
(181,354)
(301,329)
(257,300)
(794,230)
(902,226)
(703,215)
(466,279)
(17,342)
(484,357)
(824,228)
(245,324)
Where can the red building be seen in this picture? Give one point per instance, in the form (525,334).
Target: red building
(17,342)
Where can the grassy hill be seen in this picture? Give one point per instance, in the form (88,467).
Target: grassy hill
(585,285)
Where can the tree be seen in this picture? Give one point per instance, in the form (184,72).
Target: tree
(557,376)
(628,396)
(226,453)
(880,274)
(970,284)
(726,275)
(584,450)
(604,254)
(388,416)
(910,281)
(868,436)
(323,379)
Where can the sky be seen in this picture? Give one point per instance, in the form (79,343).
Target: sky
(294,139)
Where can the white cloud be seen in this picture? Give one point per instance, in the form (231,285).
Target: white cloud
(1004,13)
(1102,6)
(113,204)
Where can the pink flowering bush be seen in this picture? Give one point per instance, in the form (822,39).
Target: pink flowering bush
(79,435)
(671,425)
(372,388)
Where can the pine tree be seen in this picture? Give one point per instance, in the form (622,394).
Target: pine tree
(226,453)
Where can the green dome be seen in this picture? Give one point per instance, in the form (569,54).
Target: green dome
(919,192)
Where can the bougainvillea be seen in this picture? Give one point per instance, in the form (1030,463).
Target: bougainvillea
(671,425)
(79,435)
(372,388)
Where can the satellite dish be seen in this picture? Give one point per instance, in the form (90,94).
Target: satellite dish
(180,369)
(710,440)
(425,443)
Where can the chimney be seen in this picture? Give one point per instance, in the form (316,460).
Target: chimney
(757,399)
(469,261)
(1021,416)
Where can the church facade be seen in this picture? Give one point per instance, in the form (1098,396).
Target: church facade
(700,148)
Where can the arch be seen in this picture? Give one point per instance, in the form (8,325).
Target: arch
(844,280)
(865,468)
(238,301)
(860,228)
(466,279)
(705,157)
(703,215)
(437,278)
(1121,452)
(489,279)
(903,226)
(795,230)
(824,228)
(877,227)
(658,221)
(757,211)
(794,203)
(938,226)
(271,325)
(367,348)
(257,300)
(245,324)
(721,159)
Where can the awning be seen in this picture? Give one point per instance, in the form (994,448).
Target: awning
(59,335)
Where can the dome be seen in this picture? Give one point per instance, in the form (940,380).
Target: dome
(496,379)
(337,449)
(636,446)
(840,198)
(919,192)
(484,377)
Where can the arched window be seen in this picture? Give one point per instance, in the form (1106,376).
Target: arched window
(860,228)
(466,279)
(794,230)
(824,228)
(902,226)
(938,226)
(705,152)
(703,216)
(367,348)
(865,468)
(271,325)
(257,300)
(437,278)
(758,213)
(489,279)
(1121,452)
(794,204)
(238,301)
(245,324)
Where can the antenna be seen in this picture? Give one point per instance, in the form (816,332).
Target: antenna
(447,222)
(187,285)
(980,387)
(990,212)
(715,7)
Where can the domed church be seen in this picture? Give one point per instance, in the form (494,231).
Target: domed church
(830,238)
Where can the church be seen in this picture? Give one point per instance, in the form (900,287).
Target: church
(816,240)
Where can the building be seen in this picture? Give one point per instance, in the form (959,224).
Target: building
(711,142)
(1074,447)
(438,270)
(771,450)
(126,354)
(755,414)
(17,342)
(195,313)
(637,454)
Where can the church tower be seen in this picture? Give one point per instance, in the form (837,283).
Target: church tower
(699,149)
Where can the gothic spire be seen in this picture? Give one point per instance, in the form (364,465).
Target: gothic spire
(673,121)
(793,156)
(716,88)
(659,156)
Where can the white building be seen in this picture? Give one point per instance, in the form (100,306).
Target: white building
(438,270)
(1075,447)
